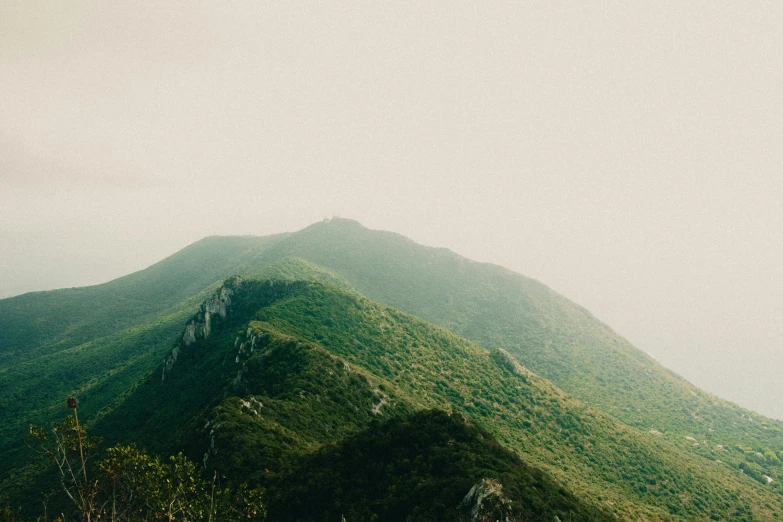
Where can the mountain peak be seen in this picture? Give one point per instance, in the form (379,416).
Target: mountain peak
(337,221)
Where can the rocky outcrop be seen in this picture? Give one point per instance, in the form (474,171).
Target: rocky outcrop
(246,344)
(509,362)
(384,400)
(201,325)
(211,449)
(486,502)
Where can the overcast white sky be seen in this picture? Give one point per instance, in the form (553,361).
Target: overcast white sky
(628,154)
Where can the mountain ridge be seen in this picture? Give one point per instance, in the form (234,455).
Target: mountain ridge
(100,341)
(316,323)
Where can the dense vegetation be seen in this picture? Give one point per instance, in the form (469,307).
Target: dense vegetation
(420,468)
(98,342)
(297,365)
(130,486)
(105,344)
(552,336)
(429,366)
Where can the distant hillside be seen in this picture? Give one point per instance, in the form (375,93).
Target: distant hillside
(551,335)
(41,323)
(97,342)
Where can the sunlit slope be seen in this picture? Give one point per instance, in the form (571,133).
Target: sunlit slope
(294,366)
(553,336)
(253,403)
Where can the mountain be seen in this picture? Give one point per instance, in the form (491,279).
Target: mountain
(102,342)
(96,342)
(272,377)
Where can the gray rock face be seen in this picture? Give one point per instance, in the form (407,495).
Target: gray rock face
(487,503)
(201,326)
(189,336)
(219,303)
(168,363)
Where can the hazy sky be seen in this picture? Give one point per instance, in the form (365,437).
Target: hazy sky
(628,154)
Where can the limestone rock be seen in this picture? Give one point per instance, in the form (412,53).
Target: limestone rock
(201,326)
(487,502)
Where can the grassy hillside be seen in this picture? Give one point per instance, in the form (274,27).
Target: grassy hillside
(100,342)
(551,335)
(41,323)
(294,366)
(421,468)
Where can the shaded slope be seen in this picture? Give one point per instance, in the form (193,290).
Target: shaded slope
(420,468)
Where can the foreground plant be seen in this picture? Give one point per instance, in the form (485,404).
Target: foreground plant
(70,449)
(130,485)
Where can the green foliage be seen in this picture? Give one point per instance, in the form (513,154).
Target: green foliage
(298,396)
(552,336)
(417,468)
(71,450)
(98,342)
(298,365)
(144,488)
(594,455)
(129,485)
(106,342)
(296,269)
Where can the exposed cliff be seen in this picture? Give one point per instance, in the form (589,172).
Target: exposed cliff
(200,326)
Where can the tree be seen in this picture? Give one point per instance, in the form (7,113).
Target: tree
(143,487)
(70,449)
(130,485)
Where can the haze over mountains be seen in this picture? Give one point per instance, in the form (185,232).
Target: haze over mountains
(314,340)
(627,156)
(620,160)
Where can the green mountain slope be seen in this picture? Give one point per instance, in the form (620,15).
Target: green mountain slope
(40,323)
(551,335)
(493,306)
(294,366)
(422,467)
(485,303)
(554,337)
(98,342)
